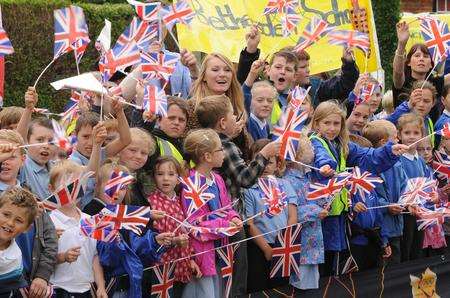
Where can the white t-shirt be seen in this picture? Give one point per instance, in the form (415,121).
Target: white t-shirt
(11,262)
(73,277)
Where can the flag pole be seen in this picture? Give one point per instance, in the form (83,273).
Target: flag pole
(174,39)
(76,61)
(421,139)
(40,75)
(366,62)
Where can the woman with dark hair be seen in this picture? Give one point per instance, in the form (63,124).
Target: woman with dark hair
(411,67)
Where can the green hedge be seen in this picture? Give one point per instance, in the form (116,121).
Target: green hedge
(29,24)
(387,14)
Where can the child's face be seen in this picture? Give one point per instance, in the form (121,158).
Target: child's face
(375,100)
(307,106)
(445,144)
(218,76)
(10,167)
(174,123)
(228,124)
(446,102)
(410,133)
(13,221)
(135,155)
(166,177)
(358,118)
(425,150)
(85,140)
(271,167)
(262,102)
(330,126)
(41,154)
(217,155)
(302,73)
(282,73)
(423,107)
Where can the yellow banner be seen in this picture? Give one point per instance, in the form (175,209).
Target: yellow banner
(221,25)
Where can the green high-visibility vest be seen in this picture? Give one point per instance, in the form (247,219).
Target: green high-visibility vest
(430,131)
(166,148)
(276,112)
(340,201)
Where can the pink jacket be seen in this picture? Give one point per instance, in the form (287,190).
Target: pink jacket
(205,242)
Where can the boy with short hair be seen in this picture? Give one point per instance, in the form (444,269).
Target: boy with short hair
(394,179)
(10,117)
(18,208)
(263,96)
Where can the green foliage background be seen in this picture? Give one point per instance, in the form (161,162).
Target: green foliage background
(29,25)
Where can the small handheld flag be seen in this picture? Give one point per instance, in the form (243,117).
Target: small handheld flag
(118,58)
(286,252)
(119,180)
(362,183)
(155,100)
(94,227)
(194,191)
(162,278)
(158,65)
(128,217)
(350,39)
(436,36)
(418,191)
(141,32)
(280,6)
(181,12)
(315,30)
(146,11)
(226,261)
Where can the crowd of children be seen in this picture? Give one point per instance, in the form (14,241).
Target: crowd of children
(220,131)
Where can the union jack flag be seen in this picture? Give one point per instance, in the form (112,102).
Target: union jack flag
(315,30)
(298,95)
(128,217)
(194,192)
(141,32)
(202,232)
(146,11)
(118,58)
(94,227)
(67,194)
(429,217)
(178,13)
(70,27)
(155,100)
(158,65)
(60,138)
(436,36)
(321,191)
(70,114)
(6,47)
(162,280)
(441,165)
(289,132)
(286,252)
(349,39)
(280,6)
(445,131)
(274,198)
(226,261)
(362,183)
(366,92)
(119,180)
(418,191)
(289,22)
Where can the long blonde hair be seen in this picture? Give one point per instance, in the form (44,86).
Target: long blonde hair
(325,109)
(200,90)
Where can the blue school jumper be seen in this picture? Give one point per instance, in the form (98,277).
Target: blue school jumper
(258,129)
(35,177)
(445,118)
(373,160)
(414,166)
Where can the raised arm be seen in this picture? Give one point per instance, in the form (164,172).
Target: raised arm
(398,75)
(124,131)
(249,54)
(31,99)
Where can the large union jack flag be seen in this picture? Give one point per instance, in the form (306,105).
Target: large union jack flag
(155,100)
(315,30)
(178,13)
(162,278)
(441,165)
(158,65)
(67,194)
(286,252)
(6,47)
(323,191)
(274,198)
(194,192)
(146,11)
(361,183)
(436,36)
(418,191)
(94,227)
(226,261)
(70,28)
(350,39)
(128,217)
(119,180)
(280,6)
(289,22)
(118,58)
(141,32)
(289,132)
